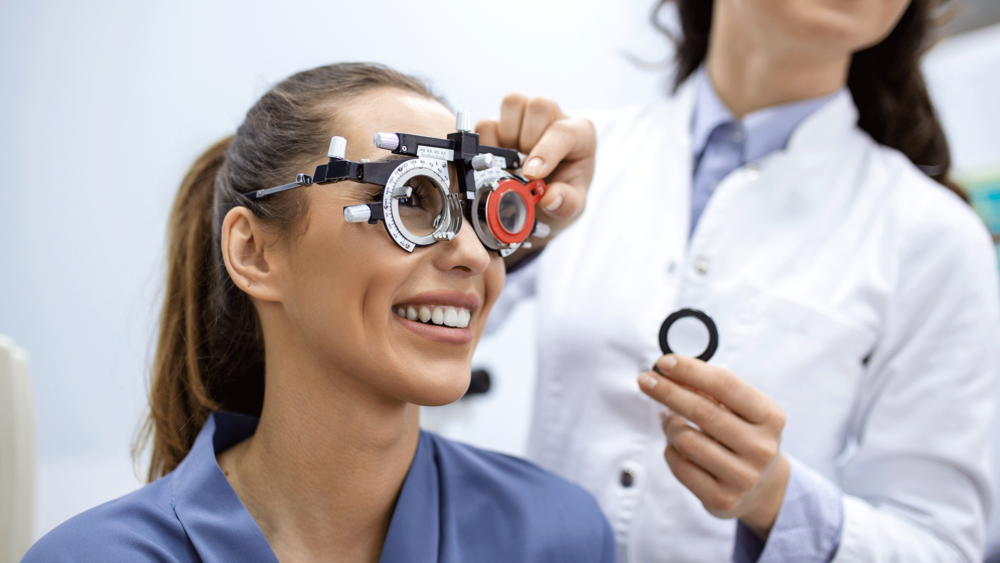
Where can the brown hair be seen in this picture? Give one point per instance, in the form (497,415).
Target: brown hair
(885,81)
(210,352)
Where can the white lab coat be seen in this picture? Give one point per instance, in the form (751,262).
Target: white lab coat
(854,291)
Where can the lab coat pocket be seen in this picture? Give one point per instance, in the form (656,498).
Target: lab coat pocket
(809,361)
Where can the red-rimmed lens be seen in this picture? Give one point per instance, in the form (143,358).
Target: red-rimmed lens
(510,210)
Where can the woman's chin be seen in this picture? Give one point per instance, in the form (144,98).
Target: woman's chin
(437,391)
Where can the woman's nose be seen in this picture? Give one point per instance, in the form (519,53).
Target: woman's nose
(464,253)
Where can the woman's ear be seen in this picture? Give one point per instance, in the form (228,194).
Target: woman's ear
(247,255)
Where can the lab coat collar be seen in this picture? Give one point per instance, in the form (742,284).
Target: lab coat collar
(679,115)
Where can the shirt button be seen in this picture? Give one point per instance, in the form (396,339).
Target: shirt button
(702,266)
(627,478)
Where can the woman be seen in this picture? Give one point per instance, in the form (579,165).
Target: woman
(280,309)
(794,187)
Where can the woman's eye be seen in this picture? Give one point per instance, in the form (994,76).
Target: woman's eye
(420,194)
(415,200)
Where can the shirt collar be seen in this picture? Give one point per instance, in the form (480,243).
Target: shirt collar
(221,529)
(709,112)
(765,131)
(415,529)
(214,518)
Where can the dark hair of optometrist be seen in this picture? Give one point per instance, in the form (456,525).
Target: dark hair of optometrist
(885,81)
(210,351)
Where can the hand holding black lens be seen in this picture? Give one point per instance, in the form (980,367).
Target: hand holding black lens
(713,332)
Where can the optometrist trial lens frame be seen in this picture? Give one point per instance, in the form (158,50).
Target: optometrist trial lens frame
(493,197)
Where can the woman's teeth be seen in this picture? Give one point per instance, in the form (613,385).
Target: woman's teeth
(456,317)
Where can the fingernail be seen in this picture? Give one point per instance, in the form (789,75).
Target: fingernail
(533,167)
(555,203)
(665,414)
(667,363)
(647,382)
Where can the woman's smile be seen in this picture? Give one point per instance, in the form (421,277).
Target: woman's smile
(443,316)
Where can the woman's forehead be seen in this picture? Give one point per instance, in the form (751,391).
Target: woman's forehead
(391,111)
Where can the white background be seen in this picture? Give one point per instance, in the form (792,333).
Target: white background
(105,103)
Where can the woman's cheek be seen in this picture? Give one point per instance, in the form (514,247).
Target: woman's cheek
(495,276)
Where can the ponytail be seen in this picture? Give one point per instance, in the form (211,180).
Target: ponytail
(180,404)
(210,351)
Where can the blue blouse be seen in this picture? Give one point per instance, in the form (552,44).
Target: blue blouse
(457,504)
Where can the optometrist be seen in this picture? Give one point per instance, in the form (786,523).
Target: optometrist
(794,186)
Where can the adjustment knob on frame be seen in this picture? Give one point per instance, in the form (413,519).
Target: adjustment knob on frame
(357,213)
(482,161)
(464,121)
(541,230)
(338,148)
(386,141)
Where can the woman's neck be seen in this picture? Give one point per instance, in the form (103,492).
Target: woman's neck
(322,473)
(753,68)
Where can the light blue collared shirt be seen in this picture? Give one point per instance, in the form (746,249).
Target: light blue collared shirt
(457,504)
(810,521)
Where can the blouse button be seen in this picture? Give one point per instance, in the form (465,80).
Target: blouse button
(627,478)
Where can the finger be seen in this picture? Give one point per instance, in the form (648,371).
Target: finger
(738,395)
(713,495)
(570,139)
(708,454)
(563,201)
(720,424)
(696,479)
(539,114)
(511,116)
(489,132)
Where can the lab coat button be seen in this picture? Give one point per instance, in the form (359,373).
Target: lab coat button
(702,266)
(627,478)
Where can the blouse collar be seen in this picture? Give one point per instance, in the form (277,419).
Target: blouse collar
(221,529)
(764,131)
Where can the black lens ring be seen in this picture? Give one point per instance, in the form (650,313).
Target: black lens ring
(713,332)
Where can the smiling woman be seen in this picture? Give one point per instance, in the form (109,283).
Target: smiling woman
(295,348)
